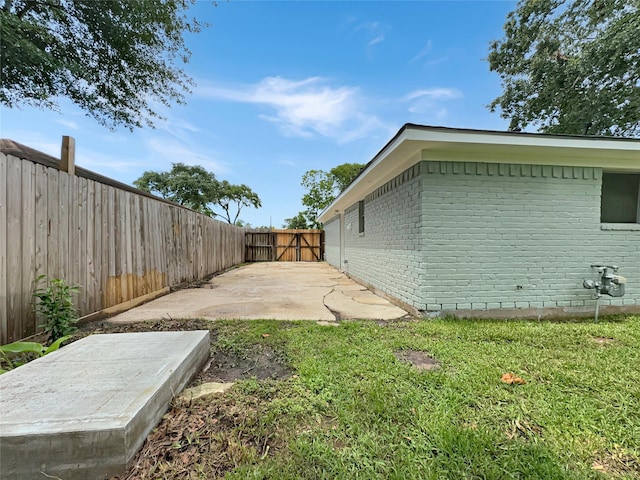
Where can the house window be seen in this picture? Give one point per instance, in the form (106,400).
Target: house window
(361,216)
(620,198)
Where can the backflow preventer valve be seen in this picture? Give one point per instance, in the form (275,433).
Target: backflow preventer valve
(608,283)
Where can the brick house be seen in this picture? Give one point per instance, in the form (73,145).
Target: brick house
(484,223)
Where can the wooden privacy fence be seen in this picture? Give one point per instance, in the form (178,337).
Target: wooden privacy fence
(284,246)
(118,243)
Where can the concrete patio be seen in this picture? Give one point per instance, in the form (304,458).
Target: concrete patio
(272,290)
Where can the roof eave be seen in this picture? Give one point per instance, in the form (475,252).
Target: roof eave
(414,143)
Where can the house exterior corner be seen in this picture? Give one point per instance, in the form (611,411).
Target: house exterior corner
(491,237)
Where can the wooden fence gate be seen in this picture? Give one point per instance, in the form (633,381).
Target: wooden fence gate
(284,246)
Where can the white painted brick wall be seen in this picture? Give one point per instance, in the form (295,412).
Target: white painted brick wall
(454,235)
(500,236)
(332,242)
(388,255)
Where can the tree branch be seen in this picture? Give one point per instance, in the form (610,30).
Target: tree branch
(31,4)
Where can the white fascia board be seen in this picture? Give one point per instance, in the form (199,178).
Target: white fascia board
(498,147)
(354,191)
(521,139)
(415,143)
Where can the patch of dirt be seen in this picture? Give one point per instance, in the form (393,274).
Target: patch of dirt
(164,325)
(603,340)
(260,362)
(418,359)
(204,282)
(619,462)
(520,428)
(401,322)
(204,439)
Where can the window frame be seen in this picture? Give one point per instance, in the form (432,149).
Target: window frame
(606,222)
(361,216)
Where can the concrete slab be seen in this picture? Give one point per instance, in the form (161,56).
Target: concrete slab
(349,306)
(84,411)
(272,290)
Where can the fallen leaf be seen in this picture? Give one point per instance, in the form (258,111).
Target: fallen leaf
(511,378)
(597,466)
(265,335)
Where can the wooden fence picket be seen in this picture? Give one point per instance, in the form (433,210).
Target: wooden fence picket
(117,242)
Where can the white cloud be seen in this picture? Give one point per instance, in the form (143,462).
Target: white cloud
(68,123)
(171,123)
(304,108)
(288,163)
(423,53)
(177,127)
(368,26)
(168,151)
(374,31)
(435,94)
(430,100)
(377,39)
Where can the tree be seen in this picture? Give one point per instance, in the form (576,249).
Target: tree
(114,59)
(200,190)
(322,188)
(233,197)
(570,67)
(297,222)
(190,186)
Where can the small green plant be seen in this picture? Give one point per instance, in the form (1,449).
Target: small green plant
(54,303)
(15,354)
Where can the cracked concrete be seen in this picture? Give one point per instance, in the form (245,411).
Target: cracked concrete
(273,290)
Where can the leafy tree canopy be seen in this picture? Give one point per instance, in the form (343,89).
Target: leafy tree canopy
(200,190)
(297,222)
(190,186)
(114,59)
(233,197)
(322,188)
(570,66)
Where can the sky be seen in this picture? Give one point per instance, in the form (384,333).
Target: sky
(286,87)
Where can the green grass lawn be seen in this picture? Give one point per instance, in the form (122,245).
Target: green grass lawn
(352,410)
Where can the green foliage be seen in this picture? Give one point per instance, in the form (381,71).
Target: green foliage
(570,66)
(54,303)
(297,222)
(233,197)
(15,354)
(114,59)
(200,190)
(322,188)
(189,185)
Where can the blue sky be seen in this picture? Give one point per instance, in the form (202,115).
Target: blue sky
(285,87)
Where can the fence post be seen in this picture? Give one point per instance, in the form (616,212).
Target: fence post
(68,155)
